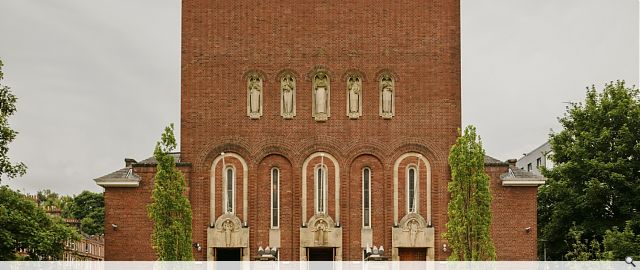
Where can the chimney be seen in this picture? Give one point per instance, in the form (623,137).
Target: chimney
(512,162)
(129,161)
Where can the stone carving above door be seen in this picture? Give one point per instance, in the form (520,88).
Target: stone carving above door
(413,231)
(228,232)
(321,231)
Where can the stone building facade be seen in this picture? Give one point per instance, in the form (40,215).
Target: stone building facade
(318,128)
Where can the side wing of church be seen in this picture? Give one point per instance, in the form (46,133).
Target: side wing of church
(318,128)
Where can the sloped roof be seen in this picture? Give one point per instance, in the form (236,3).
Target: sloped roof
(493,161)
(519,177)
(152,160)
(120,178)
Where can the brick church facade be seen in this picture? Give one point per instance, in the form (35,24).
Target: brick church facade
(318,128)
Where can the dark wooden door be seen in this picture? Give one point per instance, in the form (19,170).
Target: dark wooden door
(320,254)
(412,254)
(228,254)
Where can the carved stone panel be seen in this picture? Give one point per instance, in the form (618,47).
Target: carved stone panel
(321,93)
(354,96)
(287,96)
(228,233)
(321,231)
(387,96)
(254,96)
(413,232)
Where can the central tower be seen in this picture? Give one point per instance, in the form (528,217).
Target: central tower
(319,127)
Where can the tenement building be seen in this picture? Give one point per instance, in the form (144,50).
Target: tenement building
(318,128)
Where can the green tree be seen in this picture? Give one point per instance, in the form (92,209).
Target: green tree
(26,227)
(7,108)
(469,211)
(596,179)
(581,249)
(620,244)
(170,210)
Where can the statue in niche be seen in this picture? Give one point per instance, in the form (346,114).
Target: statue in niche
(321,96)
(386,89)
(354,87)
(228,228)
(413,227)
(255,96)
(287,84)
(321,228)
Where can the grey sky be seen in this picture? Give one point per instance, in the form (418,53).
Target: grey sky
(97,80)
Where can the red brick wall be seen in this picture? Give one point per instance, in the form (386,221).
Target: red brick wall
(418,42)
(513,210)
(127,208)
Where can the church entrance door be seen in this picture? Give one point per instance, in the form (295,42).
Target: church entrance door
(412,254)
(228,254)
(320,254)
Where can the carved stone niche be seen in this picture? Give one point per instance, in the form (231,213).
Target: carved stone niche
(228,233)
(412,232)
(321,96)
(387,96)
(321,231)
(354,96)
(254,95)
(287,96)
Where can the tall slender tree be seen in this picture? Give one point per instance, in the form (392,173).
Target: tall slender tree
(170,210)
(469,225)
(7,108)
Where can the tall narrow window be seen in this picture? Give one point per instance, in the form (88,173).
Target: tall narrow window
(366,197)
(229,192)
(411,190)
(275,198)
(321,189)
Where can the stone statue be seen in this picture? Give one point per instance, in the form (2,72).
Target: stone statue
(321,228)
(413,227)
(228,228)
(288,87)
(321,91)
(355,88)
(387,95)
(255,87)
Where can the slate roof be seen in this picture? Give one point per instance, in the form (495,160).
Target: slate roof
(124,174)
(152,160)
(493,161)
(516,173)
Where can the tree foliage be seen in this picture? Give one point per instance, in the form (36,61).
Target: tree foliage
(170,210)
(88,208)
(596,179)
(27,228)
(469,211)
(620,244)
(7,135)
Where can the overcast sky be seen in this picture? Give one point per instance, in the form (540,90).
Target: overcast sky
(98,80)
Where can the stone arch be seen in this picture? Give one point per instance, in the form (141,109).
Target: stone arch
(212,190)
(336,165)
(421,158)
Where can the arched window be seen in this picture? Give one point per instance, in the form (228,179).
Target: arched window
(321,189)
(412,189)
(229,195)
(366,197)
(275,198)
